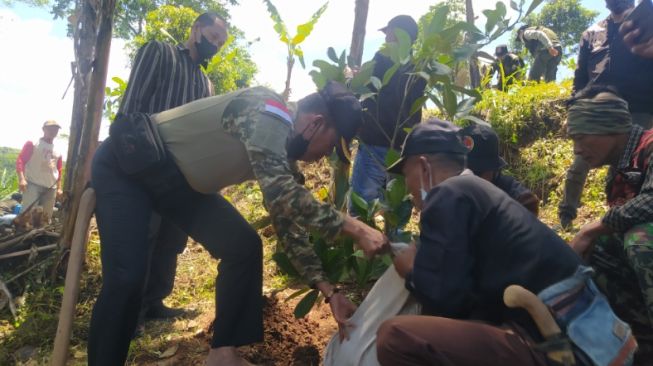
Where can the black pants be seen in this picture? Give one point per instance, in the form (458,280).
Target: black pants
(168,242)
(123,212)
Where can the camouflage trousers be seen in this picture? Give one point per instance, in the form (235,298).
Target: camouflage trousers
(624,273)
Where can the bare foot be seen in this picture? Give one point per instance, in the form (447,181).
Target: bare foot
(225,356)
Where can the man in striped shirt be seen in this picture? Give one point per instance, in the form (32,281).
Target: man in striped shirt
(165,76)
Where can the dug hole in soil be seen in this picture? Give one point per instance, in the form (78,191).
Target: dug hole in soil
(287,340)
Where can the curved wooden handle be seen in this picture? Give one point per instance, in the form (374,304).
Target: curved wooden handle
(518,297)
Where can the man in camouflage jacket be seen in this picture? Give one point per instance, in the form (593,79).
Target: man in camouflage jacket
(213,143)
(620,246)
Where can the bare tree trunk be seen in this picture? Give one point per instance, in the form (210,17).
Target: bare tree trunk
(90,127)
(474,74)
(358,34)
(289,65)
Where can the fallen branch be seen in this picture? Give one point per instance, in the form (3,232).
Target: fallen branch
(18,239)
(28,251)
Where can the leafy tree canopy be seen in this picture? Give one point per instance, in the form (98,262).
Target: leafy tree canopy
(130,15)
(568,18)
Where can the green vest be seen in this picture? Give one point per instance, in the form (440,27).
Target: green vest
(534,46)
(210,154)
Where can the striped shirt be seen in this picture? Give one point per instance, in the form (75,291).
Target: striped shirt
(163,77)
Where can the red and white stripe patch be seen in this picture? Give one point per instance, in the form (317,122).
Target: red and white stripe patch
(278,109)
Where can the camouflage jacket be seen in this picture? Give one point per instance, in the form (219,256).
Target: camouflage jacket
(231,138)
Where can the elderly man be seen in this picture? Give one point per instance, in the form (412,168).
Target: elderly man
(210,144)
(604,58)
(619,246)
(474,242)
(38,167)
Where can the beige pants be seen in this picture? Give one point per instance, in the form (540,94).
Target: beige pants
(45,196)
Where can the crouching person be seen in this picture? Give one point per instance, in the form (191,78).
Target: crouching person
(484,161)
(194,151)
(619,246)
(474,242)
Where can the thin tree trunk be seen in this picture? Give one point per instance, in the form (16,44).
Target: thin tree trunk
(474,74)
(92,117)
(358,34)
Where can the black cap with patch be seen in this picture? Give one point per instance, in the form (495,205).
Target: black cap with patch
(347,115)
(484,157)
(431,137)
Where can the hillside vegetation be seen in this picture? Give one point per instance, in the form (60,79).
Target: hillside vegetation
(529,121)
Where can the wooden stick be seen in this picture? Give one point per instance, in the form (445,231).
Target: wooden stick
(28,251)
(73,274)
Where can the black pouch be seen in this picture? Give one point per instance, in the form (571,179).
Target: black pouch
(136,143)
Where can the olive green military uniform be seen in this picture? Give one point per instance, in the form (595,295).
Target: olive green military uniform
(538,41)
(233,139)
(212,143)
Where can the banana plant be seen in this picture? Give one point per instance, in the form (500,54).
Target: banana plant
(292,42)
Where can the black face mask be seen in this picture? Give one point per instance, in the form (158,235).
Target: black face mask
(296,147)
(205,50)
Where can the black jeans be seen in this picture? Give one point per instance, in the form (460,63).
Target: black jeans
(168,242)
(123,211)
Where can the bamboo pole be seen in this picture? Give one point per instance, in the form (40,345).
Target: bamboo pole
(73,274)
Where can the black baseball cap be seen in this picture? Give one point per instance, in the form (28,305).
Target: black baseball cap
(484,157)
(501,50)
(432,137)
(405,22)
(346,113)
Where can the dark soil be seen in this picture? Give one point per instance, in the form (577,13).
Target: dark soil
(287,341)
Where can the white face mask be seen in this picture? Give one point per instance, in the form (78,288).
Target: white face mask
(423,191)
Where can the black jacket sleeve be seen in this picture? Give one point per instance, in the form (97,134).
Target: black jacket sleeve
(581,76)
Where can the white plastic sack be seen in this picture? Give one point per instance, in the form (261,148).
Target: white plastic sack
(387,299)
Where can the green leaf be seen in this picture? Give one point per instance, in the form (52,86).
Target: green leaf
(395,192)
(513,5)
(284,264)
(359,203)
(533,6)
(464,107)
(405,45)
(501,9)
(304,30)
(450,101)
(300,55)
(471,92)
(475,119)
(465,52)
(391,157)
(363,76)
(279,25)
(319,79)
(418,104)
(492,20)
(389,73)
(359,254)
(305,305)
(329,71)
(332,54)
(297,293)
(376,83)
(438,21)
